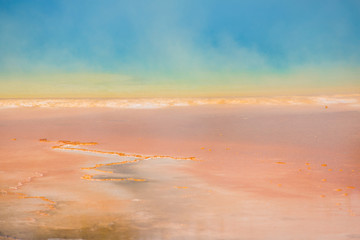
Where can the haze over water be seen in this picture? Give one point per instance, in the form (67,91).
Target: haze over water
(178,120)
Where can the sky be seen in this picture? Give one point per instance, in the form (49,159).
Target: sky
(170,48)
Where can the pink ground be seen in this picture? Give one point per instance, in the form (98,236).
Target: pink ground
(267,172)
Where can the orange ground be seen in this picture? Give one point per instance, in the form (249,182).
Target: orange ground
(262,172)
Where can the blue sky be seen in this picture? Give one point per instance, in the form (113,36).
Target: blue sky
(189,44)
